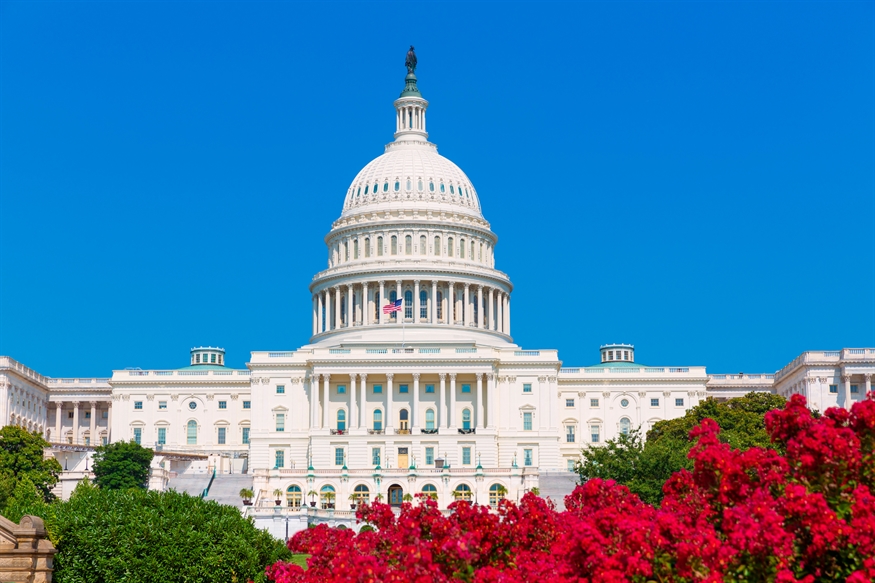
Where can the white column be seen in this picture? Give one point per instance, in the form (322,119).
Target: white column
(326,304)
(338,302)
(416,303)
(433,310)
(414,409)
(507,315)
(362,403)
(92,429)
(491,402)
(451,303)
(109,424)
(314,401)
(59,411)
(389,402)
(319,325)
(325,387)
(480,307)
(868,377)
(353,411)
(380,316)
(442,406)
(366,305)
(76,421)
(466,308)
(499,312)
(480,413)
(452,400)
(846,379)
(315,311)
(399,316)
(493,322)
(350,315)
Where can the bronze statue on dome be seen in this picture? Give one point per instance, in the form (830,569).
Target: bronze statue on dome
(410,62)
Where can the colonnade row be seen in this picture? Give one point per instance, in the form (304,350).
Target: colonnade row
(61,408)
(409,117)
(320,393)
(360,304)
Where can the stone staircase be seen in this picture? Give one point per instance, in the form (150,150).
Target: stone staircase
(556,485)
(193,484)
(226,488)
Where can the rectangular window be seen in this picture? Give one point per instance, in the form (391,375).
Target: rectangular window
(854,389)
(527,421)
(138,405)
(247,404)
(213,358)
(162,404)
(570,465)
(138,435)
(223,404)
(103,441)
(341,389)
(69,415)
(223,431)
(88,413)
(279,457)
(338,456)
(162,435)
(569,403)
(832,389)
(375,456)
(569,433)
(402,389)
(466,456)
(429,388)
(527,387)
(280,389)
(595,433)
(104,415)
(466,388)
(679,402)
(280,422)
(378,389)
(593,402)
(527,457)
(245,436)
(654,402)
(429,456)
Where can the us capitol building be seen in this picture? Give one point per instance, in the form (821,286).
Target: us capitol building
(434,398)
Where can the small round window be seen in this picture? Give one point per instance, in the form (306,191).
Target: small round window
(192,405)
(624,403)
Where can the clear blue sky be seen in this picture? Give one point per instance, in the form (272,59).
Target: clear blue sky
(696,178)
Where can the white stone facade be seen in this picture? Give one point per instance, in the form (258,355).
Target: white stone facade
(433,398)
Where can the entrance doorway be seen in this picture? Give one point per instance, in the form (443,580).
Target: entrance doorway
(396,495)
(403,461)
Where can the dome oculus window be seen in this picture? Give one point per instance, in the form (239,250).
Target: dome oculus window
(359,191)
(624,403)
(431,186)
(385,187)
(442,188)
(397,186)
(419,186)
(376,188)
(451,189)
(366,189)
(409,185)
(192,405)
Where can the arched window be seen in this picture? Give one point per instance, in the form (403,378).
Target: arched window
(430,490)
(394,244)
(423,246)
(408,245)
(408,304)
(377,306)
(294,496)
(361,494)
(450,247)
(343,309)
(397,186)
(327,496)
(476,309)
(355,249)
(393,297)
(409,185)
(191,432)
(443,189)
(341,420)
(403,419)
(466,419)
(419,186)
(462,492)
(378,420)
(496,492)
(472,251)
(367,186)
(345,251)
(379,246)
(462,248)
(480,257)
(429,419)
(376,188)
(431,186)
(437,246)
(625,426)
(440,305)
(367,247)
(423,304)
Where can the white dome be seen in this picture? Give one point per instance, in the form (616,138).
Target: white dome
(412,175)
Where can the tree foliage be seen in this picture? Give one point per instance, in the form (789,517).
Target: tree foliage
(22,458)
(122,465)
(645,466)
(141,536)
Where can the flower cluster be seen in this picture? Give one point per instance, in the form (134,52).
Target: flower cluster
(739,516)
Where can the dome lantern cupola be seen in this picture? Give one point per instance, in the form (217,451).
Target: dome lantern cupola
(208,355)
(618,353)
(410,107)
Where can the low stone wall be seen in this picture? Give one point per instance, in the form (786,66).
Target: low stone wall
(26,553)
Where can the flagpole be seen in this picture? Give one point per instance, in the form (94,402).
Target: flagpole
(403,309)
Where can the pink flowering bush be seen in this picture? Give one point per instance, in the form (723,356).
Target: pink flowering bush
(739,516)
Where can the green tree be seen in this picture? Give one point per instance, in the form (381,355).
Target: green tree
(645,466)
(25,499)
(22,456)
(122,465)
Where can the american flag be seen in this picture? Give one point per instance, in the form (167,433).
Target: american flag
(392,307)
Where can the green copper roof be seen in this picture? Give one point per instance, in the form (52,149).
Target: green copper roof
(410,89)
(621,364)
